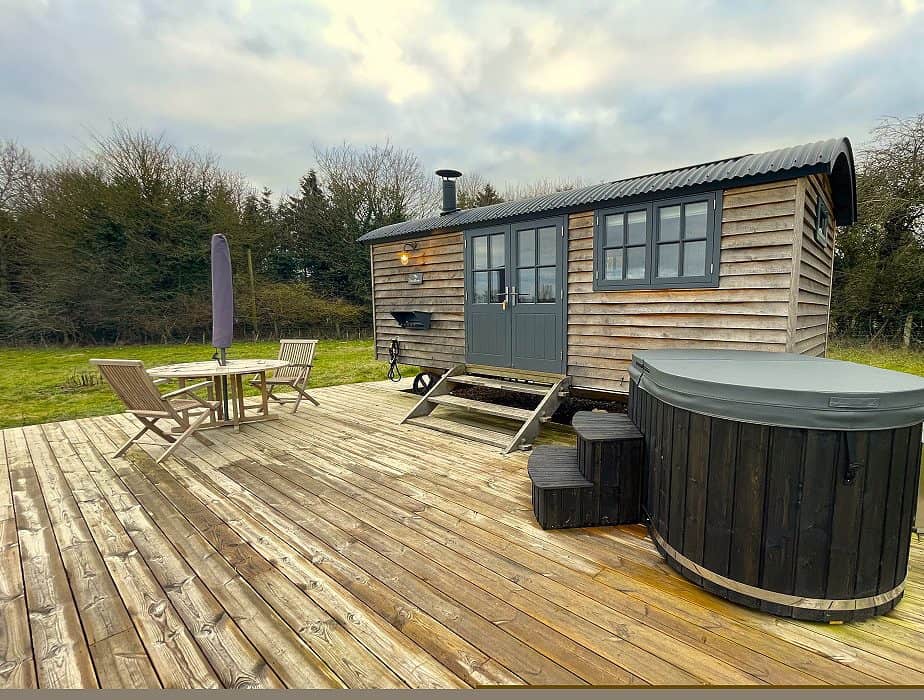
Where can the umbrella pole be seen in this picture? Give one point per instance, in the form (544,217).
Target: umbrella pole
(223,360)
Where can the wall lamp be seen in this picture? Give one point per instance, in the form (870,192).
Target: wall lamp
(406,253)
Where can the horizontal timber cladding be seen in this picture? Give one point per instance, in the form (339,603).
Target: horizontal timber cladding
(440,259)
(812,288)
(750,309)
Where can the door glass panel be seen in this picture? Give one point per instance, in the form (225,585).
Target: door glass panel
(635,259)
(694,259)
(526,286)
(481,289)
(612,268)
(637,226)
(526,248)
(547,254)
(498,258)
(668,260)
(669,223)
(615,235)
(480,253)
(498,280)
(547,290)
(694,221)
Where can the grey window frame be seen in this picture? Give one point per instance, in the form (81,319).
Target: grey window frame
(821,230)
(713,245)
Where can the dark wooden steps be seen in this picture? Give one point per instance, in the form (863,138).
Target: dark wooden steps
(599,483)
(562,497)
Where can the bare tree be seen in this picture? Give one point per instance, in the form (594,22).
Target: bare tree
(18,174)
(538,188)
(380,184)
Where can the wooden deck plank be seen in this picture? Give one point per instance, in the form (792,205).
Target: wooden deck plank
(416,518)
(335,544)
(17,665)
(396,648)
(62,657)
(118,655)
(173,651)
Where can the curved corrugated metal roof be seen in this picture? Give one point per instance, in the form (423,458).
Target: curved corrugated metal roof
(834,157)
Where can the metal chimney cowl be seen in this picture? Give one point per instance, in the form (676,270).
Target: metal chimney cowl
(449,176)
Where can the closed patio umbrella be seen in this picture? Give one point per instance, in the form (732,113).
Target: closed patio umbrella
(222,305)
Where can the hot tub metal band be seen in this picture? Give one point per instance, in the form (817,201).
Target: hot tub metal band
(781,598)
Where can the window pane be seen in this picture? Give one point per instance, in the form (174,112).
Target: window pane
(668,260)
(612,264)
(546,284)
(497,250)
(526,285)
(498,280)
(635,268)
(694,259)
(481,292)
(526,247)
(638,226)
(694,220)
(547,254)
(480,253)
(669,224)
(615,235)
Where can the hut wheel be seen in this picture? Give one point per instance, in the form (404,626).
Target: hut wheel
(424,381)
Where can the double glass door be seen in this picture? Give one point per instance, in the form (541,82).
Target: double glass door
(514,295)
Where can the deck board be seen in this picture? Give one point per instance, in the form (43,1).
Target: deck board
(337,548)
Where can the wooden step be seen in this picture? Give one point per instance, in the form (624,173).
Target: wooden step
(492,409)
(502,384)
(463,430)
(561,496)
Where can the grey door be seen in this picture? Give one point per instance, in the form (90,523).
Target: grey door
(514,301)
(487,323)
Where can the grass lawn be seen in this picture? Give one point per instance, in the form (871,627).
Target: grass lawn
(910,361)
(42,385)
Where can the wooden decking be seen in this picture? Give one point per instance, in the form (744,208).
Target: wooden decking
(337,548)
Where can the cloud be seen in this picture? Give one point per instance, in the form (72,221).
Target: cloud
(516,90)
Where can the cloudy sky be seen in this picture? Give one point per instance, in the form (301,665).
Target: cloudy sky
(517,91)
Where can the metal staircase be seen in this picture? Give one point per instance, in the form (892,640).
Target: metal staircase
(519,427)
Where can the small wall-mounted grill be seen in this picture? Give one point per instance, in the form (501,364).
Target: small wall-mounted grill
(412,320)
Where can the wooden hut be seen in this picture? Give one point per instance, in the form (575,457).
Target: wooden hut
(731,254)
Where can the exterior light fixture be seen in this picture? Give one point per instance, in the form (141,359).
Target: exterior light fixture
(406,253)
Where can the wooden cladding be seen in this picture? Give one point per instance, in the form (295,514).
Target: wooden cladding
(442,293)
(748,311)
(773,293)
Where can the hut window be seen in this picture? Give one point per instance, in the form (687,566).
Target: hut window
(488,269)
(671,243)
(822,220)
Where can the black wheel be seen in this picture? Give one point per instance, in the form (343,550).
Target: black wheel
(424,381)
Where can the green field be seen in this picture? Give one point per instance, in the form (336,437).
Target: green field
(42,385)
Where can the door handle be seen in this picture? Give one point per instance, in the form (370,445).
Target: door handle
(506,297)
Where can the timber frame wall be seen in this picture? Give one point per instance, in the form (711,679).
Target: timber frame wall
(773,294)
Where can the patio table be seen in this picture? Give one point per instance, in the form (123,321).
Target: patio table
(230,375)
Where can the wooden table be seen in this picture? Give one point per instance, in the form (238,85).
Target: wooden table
(229,376)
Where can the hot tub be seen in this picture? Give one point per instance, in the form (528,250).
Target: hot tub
(783,482)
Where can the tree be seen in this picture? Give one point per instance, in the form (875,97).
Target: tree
(879,264)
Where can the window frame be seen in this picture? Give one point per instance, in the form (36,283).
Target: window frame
(821,231)
(651,281)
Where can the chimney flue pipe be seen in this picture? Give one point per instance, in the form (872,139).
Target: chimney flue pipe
(449,190)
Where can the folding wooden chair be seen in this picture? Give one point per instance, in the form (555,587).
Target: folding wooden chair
(300,356)
(143,400)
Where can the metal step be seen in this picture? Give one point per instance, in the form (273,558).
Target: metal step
(463,430)
(492,409)
(502,384)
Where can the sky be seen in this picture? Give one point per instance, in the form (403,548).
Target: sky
(516,91)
